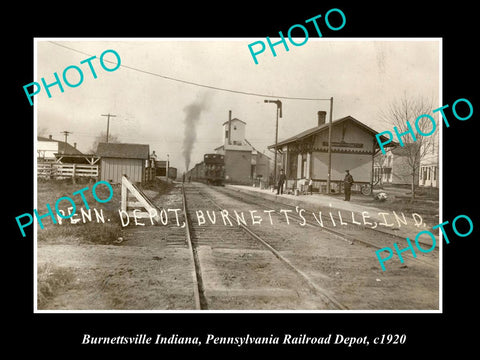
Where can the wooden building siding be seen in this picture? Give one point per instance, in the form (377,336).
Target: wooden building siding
(112,169)
(401,171)
(46,150)
(360,166)
(238,166)
(261,166)
(394,167)
(355,138)
(352,149)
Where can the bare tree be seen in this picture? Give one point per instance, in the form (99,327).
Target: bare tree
(405,111)
(102,138)
(379,162)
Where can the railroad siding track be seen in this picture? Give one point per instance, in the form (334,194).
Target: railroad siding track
(233,270)
(171,234)
(239,271)
(375,238)
(348,270)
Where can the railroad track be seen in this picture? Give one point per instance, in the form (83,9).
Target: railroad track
(368,236)
(279,267)
(229,263)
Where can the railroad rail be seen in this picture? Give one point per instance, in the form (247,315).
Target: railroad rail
(198,292)
(245,239)
(276,265)
(349,238)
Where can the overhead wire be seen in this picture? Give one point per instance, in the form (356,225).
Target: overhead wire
(194,83)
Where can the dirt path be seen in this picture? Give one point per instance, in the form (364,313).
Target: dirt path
(348,271)
(151,269)
(146,271)
(121,277)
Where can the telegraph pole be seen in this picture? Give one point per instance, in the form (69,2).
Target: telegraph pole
(229,127)
(66,133)
(330,146)
(108,121)
(168,166)
(279,113)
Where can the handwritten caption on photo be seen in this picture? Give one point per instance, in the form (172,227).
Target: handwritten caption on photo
(59,213)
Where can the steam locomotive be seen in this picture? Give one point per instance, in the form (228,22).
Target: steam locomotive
(211,170)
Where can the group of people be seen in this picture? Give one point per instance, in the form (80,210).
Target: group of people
(347,184)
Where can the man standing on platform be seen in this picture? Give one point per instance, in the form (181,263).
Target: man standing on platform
(281,181)
(347,184)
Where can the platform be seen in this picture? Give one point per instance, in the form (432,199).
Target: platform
(351,211)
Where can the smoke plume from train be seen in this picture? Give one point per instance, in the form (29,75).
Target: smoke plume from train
(193,112)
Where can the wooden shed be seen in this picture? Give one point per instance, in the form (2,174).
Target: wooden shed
(119,159)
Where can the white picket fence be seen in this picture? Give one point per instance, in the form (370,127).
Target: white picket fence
(63,171)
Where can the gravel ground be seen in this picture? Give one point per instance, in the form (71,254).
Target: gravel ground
(151,270)
(351,273)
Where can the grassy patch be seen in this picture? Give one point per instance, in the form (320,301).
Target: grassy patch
(158,185)
(98,233)
(50,279)
(425,205)
(100,225)
(399,200)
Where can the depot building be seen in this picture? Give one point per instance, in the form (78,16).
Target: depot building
(353,147)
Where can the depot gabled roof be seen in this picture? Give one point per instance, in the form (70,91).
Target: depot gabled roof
(324,127)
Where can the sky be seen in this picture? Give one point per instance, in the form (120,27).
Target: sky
(363,76)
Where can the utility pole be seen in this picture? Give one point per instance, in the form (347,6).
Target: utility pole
(229,127)
(168,166)
(108,122)
(66,133)
(279,113)
(330,146)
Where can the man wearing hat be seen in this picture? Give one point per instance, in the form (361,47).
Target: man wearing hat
(281,180)
(347,184)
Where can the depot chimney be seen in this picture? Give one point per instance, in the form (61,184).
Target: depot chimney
(322,115)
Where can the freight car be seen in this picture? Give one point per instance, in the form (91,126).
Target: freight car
(196,173)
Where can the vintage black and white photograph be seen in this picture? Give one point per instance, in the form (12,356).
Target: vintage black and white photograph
(178,175)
